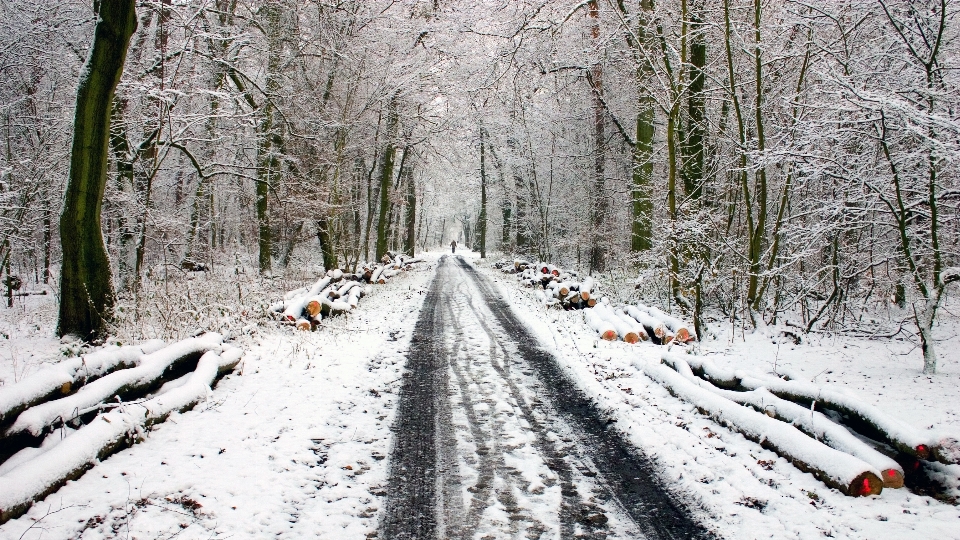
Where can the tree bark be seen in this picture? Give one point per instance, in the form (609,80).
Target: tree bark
(482,220)
(86,287)
(386,177)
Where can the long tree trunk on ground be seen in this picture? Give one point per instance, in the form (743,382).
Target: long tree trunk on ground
(386,177)
(86,288)
(482,220)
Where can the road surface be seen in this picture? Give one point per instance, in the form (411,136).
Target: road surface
(491,439)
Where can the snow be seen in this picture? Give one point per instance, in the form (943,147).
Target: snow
(739,489)
(13,397)
(36,419)
(836,466)
(291,445)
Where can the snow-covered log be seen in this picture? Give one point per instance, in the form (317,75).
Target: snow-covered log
(124,384)
(634,325)
(848,474)
(586,287)
(294,307)
(655,328)
(625,331)
(903,437)
(604,329)
(69,375)
(813,423)
(108,433)
(329,308)
(680,329)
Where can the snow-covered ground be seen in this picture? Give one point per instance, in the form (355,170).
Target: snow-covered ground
(292,445)
(742,490)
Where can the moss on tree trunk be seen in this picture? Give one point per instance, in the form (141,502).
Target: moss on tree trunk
(86,287)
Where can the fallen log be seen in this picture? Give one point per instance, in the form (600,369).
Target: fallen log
(70,458)
(294,307)
(124,384)
(863,417)
(68,376)
(624,330)
(848,474)
(634,325)
(655,328)
(814,424)
(678,327)
(605,330)
(586,287)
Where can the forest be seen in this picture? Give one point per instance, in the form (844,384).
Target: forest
(741,162)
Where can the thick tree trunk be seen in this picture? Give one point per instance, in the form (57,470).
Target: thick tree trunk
(86,288)
(642,225)
(692,171)
(386,177)
(410,216)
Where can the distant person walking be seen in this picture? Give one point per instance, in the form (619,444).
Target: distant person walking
(453,246)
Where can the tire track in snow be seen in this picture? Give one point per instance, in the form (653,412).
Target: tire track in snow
(491,439)
(630,477)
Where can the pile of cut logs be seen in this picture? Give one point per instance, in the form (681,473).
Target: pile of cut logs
(561,288)
(845,442)
(637,323)
(337,292)
(102,402)
(564,289)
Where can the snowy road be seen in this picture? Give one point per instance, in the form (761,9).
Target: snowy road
(492,440)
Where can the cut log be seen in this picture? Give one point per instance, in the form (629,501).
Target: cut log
(624,331)
(68,459)
(861,416)
(655,328)
(636,327)
(848,474)
(294,307)
(125,383)
(603,328)
(586,287)
(330,308)
(69,376)
(675,325)
(303,324)
(813,423)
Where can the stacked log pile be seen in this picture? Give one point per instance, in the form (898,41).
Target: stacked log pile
(104,400)
(630,323)
(337,292)
(556,287)
(855,448)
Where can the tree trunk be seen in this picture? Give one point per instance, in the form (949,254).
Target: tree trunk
(642,226)
(86,288)
(410,217)
(482,221)
(599,207)
(692,171)
(326,245)
(270,143)
(386,177)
